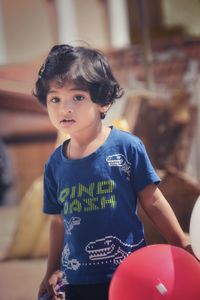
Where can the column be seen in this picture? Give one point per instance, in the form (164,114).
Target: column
(67,25)
(119,24)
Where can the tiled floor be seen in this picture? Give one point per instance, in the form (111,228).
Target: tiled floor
(8,216)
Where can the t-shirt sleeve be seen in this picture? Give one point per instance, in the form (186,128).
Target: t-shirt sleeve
(143,172)
(50,203)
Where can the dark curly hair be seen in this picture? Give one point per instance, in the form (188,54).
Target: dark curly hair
(86,68)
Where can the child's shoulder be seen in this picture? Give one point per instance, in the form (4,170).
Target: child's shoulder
(127,137)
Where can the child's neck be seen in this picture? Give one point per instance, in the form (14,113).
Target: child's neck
(81,147)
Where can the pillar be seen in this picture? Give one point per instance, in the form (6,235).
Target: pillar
(67,25)
(119,24)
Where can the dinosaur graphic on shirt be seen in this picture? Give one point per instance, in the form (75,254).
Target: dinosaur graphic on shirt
(69,225)
(119,160)
(72,264)
(110,247)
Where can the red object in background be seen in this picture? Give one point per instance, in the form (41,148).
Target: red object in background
(157,272)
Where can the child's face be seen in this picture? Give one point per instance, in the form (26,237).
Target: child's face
(71,110)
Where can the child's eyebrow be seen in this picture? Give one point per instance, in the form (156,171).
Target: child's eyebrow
(71,89)
(77,89)
(51,92)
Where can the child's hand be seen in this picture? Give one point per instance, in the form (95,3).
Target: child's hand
(49,287)
(54,280)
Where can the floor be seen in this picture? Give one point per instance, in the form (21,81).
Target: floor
(19,279)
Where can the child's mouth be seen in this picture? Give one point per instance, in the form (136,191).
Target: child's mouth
(67,121)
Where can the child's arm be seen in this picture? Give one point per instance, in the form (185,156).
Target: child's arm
(161,214)
(54,253)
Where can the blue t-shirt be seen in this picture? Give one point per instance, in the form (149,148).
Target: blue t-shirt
(97,196)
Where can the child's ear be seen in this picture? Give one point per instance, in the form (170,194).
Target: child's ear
(105,108)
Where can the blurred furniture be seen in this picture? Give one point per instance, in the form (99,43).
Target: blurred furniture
(26,131)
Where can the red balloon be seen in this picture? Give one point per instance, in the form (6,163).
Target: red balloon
(157,272)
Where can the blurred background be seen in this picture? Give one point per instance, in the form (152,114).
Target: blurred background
(154,51)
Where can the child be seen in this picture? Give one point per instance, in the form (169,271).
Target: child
(93,181)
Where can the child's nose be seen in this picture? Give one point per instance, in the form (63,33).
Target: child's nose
(66,108)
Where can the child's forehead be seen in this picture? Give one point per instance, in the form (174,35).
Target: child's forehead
(55,85)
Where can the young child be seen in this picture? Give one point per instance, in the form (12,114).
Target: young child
(92,182)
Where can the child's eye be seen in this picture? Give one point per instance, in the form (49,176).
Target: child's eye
(79,98)
(54,100)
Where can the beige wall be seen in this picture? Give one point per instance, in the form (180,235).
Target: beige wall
(29,32)
(92,22)
(183,12)
(27,29)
